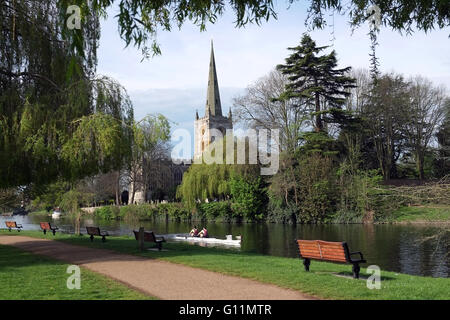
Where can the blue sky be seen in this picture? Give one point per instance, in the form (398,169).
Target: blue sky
(174,83)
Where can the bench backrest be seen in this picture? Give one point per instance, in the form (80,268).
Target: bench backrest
(149,236)
(94,231)
(11,224)
(45,226)
(323,250)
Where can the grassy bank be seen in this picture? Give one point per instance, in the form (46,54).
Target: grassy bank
(322,281)
(422,214)
(25,276)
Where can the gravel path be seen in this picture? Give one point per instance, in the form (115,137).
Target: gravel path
(160,279)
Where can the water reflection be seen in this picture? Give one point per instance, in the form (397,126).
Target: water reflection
(398,248)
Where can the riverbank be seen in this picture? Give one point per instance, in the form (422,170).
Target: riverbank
(422,214)
(325,279)
(27,276)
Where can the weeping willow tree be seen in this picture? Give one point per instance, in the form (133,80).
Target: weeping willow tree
(204,181)
(242,184)
(57,118)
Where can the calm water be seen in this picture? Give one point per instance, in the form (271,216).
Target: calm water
(398,248)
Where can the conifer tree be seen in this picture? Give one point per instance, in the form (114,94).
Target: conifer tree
(316,79)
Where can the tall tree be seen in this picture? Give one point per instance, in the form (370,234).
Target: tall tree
(149,138)
(443,139)
(386,118)
(316,79)
(258,108)
(425,113)
(49,94)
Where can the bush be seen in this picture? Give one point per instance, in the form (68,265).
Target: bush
(317,189)
(280,213)
(174,211)
(107,213)
(249,198)
(137,212)
(216,211)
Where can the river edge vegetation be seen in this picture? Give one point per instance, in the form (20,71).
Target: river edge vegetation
(324,281)
(26,276)
(420,214)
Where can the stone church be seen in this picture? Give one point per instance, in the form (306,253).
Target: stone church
(213,118)
(165,176)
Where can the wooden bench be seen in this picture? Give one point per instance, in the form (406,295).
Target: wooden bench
(95,231)
(329,251)
(149,236)
(46,226)
(13,225)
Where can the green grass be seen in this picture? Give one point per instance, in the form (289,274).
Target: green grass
(25,276)
(422,214)
(284,272)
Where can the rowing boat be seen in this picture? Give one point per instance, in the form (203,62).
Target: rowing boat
(187,238)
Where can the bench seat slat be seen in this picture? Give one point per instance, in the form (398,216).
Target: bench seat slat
(324,257)
(337,254)
(324,251)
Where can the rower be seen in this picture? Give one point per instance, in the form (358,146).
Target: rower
(203,233)
(194,232)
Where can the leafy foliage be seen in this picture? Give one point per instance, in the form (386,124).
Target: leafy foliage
(139,21)
(54,111)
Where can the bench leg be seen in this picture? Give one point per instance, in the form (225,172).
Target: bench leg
(103,239)
(306,263)
(92,238)
(356,270)
(45,231)
(9,229)
(159,246)
(18,230)
(54,232)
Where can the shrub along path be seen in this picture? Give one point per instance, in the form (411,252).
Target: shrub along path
(157,278)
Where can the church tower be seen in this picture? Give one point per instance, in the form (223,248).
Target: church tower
(213,118)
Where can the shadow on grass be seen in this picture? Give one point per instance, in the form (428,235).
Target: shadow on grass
(349,275)
(13,258)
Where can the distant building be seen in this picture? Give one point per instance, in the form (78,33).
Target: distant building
(163,177)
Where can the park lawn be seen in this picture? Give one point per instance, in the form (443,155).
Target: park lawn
(26,276)
(435,213)
(321,282)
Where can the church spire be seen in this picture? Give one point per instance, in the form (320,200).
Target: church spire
(213,105)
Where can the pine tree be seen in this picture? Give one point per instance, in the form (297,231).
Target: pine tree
(374,61)
(316,79)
